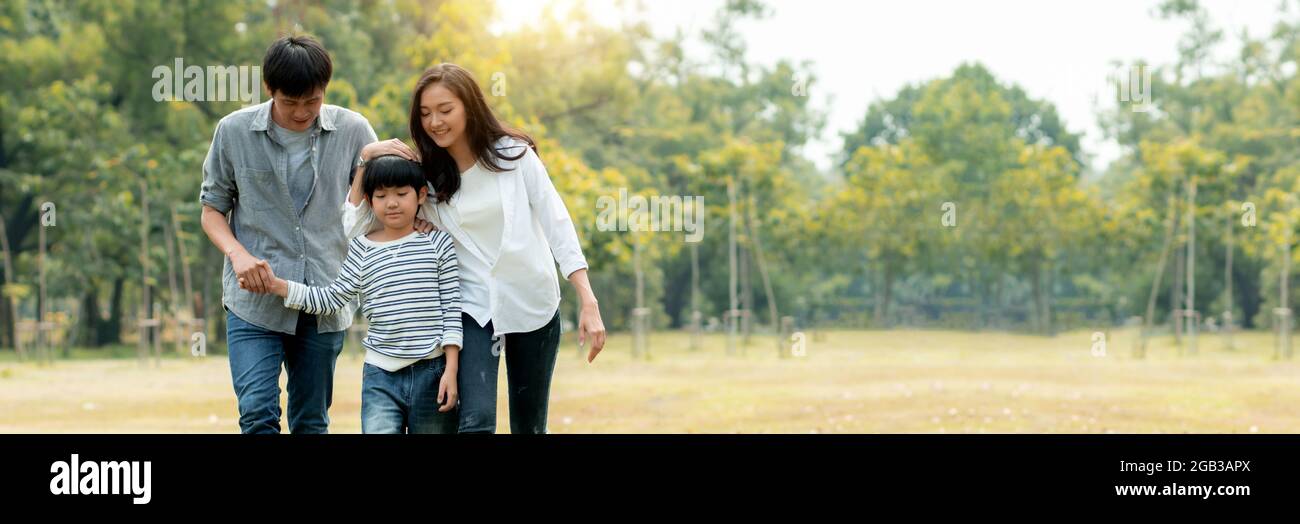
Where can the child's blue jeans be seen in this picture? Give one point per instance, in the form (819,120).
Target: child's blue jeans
(406,400)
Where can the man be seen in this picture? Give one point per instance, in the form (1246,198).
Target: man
(274,183)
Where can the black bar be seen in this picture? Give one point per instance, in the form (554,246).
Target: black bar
(826,471)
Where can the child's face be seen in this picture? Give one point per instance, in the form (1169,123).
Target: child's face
(396,206)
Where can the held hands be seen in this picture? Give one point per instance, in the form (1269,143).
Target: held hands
(261,272)
(254,273)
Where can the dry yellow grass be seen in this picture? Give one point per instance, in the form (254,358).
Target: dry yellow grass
(904,381)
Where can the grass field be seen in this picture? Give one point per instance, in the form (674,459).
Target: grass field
(902,381)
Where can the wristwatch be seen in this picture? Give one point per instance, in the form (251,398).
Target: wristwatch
(361,162)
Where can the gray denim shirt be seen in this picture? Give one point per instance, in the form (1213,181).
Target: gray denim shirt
(245,176)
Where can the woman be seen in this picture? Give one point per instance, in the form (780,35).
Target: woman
(493,195)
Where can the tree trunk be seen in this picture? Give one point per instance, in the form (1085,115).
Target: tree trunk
(878,313)
(731,250)
(1036,288)
(639,327)
(746,295)
(1047,302)
(88,325)
(1170,218)
(7,330)
(759,259)
(696,316)
(1227,283)
(999,313)
(174,300)
(1176,297)
(111,332)
(8,306)
(886,293)
(1190,319)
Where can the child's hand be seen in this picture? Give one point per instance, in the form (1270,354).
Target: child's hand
(254,273)
(279,287)
(261,283)
(275,285)
(447,392)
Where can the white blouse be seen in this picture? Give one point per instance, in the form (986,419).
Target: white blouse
(513,283)
(478,204)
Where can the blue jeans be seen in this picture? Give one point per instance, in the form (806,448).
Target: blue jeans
(256,355)
(406,400)
(530,362)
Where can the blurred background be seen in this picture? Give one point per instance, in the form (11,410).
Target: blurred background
(938,217)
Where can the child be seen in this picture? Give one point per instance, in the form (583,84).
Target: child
(410,296)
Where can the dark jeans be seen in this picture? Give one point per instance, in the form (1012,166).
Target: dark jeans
(406,400)
(530,362)
(256,355)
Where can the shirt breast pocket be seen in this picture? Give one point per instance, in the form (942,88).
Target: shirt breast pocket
(258,189)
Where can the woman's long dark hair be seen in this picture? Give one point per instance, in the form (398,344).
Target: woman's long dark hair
(482,129)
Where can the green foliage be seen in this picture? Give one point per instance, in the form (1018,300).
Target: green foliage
(619,108)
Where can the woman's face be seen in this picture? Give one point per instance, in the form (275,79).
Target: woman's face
(442,115)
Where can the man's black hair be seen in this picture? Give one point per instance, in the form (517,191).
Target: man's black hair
(296,65)
(391,171)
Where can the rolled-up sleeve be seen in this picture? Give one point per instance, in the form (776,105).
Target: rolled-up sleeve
(218,190)
(357,220)
(553,215)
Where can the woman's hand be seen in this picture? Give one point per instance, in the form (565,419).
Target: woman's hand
(391,146)
(590,327)
(424,226)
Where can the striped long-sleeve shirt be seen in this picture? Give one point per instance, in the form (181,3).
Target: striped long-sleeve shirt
(410,294)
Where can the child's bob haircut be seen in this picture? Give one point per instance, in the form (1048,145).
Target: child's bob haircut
(391,171)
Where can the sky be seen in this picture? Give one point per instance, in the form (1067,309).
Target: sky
(864,50)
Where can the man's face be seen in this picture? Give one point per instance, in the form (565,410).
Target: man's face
(296,113)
